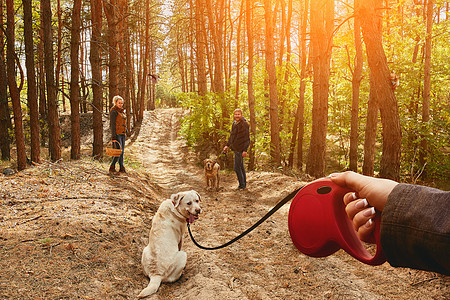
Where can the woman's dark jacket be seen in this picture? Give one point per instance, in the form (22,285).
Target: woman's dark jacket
(239,139)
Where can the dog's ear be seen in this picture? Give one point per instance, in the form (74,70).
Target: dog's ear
(199,198)
(204,161)
(176,198)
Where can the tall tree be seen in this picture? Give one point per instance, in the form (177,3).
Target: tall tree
(322,17)
(275,151)
(74,80)
(218,57)
(370,131)
(58,48)
(356,82)
(238,56)
(4,107)
(41,84)
(426,82)
(97,91)
(390,161)
(298,126)
(201,47)
(53,120)
(31,82)
(110,8)
(129,90)
(13,89)
(143,81)
(250,89)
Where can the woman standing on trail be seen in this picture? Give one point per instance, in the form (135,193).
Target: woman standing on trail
(118,125)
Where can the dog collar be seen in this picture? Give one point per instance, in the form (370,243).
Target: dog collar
(177,213)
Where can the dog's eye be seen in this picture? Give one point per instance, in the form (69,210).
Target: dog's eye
(189,203)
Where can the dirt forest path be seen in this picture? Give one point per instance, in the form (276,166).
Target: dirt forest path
(69,230)
(264,264)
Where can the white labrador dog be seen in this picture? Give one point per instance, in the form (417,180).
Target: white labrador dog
(162,258)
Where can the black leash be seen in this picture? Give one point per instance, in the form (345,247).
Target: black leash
(271,212)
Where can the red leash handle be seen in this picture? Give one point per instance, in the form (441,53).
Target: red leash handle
(319,225)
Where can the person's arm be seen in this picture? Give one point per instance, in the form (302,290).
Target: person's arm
(415,228)
(232,136)
(415,223)
(247,134)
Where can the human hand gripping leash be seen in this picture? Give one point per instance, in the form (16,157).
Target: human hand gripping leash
(318,223)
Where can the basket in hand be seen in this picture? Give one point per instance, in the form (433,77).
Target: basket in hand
(111,151)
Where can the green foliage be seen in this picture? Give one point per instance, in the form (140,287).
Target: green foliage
(201,126)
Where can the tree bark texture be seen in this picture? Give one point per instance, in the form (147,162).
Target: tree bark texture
(74,80)
(250,89)
(298,126)
(426,84)
(110,8)
(97,91)
(390,161)
(275,148)
(356,83)
(53,119)
(201,46)
(13,89)
(370,132)
(322,16)
(4,107)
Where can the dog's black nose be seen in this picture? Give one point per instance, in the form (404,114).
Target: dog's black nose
(198,210)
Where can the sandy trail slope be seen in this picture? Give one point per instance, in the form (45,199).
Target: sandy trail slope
(69,230)
(265,264)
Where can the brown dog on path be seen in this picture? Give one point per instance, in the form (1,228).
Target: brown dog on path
(212,169)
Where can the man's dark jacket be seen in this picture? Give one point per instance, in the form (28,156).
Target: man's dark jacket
(239,136)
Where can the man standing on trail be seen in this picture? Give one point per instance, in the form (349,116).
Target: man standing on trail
(238,142)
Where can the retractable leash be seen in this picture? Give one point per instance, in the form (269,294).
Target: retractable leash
(271,212)
(318,223)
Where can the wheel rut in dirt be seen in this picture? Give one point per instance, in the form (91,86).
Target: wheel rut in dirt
(264,264)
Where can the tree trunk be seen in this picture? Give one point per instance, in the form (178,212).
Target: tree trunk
(250,90)
(31,82)
(217,37)
(356,82)
(110,8)
(58,47)
(41,85)
(153,80)
(238,57)
(275,148)
(4,107)
(426,85)
(390,161)
(144,63)
(97,93)
(53,119)
(121,44)
(201,45)
(370,132)
(13,90)
(74,80)
(298,126)
(129,75)
(322,13)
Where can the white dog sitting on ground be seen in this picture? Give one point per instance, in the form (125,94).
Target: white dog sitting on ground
(162,258)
